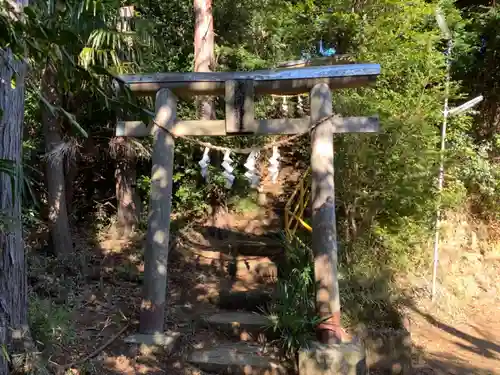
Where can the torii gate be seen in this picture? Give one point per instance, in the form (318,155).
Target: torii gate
(239,89)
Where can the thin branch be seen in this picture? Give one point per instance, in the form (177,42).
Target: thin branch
(95,353)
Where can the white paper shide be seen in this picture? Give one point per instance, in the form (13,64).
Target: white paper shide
(204,163)
(274,165)
(251,174)
(228,169)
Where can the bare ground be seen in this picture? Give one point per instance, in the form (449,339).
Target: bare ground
(459,348)
(105,297)
(460,332)
(107,303)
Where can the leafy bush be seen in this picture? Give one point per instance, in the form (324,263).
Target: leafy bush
(481,178)
(292,316)
(242,203)
(50,324)
(368,297)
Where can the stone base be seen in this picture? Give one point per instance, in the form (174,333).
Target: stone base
(388,350)
(236,358)
(246,326)
(337,359)
(152,342)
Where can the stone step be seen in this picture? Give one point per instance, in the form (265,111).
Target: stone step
(254,299)
(237,359)
(251,269)
(246,326)
(236,241)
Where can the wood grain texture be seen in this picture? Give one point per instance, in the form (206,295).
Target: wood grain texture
(263,127)
(324,239)
(157,237)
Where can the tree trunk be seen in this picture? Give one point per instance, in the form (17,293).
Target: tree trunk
(204,62)
(58,214)
(13,293)
(71,171)
(126,196)
(204,49)
(128,201)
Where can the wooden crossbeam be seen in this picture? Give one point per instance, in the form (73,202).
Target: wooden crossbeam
(185,127)
(299,125)
(280,81)
(260,127)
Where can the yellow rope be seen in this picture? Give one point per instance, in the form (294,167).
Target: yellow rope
(293,215)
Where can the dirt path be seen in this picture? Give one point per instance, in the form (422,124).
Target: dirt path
(458,348)
(108,297)
(441,346)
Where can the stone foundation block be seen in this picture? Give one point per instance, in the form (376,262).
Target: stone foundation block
(339,359)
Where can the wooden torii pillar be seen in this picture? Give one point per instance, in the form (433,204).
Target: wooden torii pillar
(239,89)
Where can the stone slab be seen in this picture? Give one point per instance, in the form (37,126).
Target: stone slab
(249,268)
(246,326)
(164,341)
(256,269)
(338,359)
(250,300)
(236,359)
(388,350)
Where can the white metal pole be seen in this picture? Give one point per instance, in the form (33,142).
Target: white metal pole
(441,169)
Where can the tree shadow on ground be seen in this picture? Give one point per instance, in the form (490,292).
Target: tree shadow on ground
(244,263)
(108,296)
(100,286)
(460,352)
(200,269)
(484,348)
(445,364)
(368,302)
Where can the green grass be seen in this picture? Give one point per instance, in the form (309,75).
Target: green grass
(368,299)
(50,324)
(244,204)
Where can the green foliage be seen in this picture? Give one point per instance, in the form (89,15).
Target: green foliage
(241,203)
(50,324)
(292,316)
(144,188)
(479,176)
(80,41)
(476,66)
(19,180)
(189,195)
(368,297)
(385,184)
